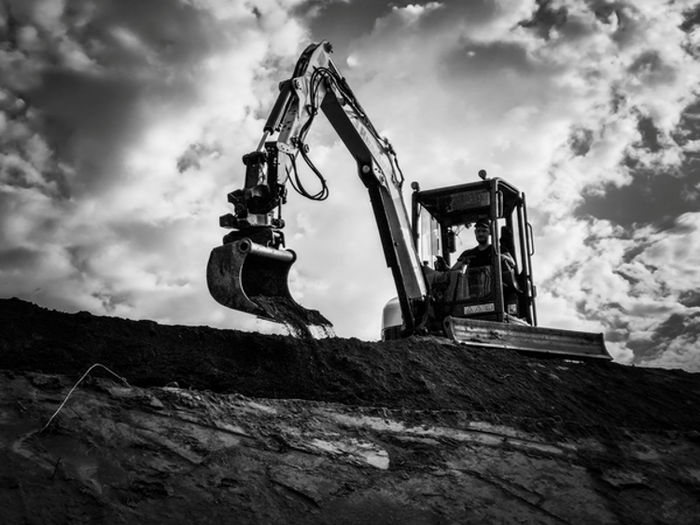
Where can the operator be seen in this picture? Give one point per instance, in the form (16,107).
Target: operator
(480,255)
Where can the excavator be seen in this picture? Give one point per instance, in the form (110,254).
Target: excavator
(490,306)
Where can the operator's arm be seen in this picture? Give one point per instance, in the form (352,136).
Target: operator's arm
(466,258)
(463,260)
(508,259)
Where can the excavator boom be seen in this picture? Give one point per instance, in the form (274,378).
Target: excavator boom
(249,271)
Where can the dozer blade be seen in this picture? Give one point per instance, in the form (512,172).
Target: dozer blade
(246,276)
(550,342)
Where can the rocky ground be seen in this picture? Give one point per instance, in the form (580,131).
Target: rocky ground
(196,425)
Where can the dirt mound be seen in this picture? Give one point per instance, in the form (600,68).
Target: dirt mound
(211,424)
(415,374)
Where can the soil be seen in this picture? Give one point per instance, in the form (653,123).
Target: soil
(301,322)
(417,398)
(416,373)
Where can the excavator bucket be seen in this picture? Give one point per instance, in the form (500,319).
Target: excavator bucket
(246,276)
(544,342)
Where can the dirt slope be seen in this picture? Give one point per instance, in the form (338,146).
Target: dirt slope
(221,426)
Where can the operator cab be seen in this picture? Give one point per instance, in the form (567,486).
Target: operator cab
(443,221)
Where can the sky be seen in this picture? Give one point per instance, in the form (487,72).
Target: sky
(123,124)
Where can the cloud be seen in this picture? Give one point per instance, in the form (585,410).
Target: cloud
(675,343)
(100,102)
(636,288)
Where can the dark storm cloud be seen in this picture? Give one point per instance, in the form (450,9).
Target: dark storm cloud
(343,22)
(85,117)
(690,298)
(486,58)
(654,198)
(657,195)
(580,140)
(650,67)
(691,19)
(81,85)
(177,31)
(91,73)
(630,254)
(685,325)
(648,348)
(550,16)
(650,135)
(477,66)
(545,18)
(18,257)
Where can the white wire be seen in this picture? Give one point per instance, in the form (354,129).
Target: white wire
(76,385)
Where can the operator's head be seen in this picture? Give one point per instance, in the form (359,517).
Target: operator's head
(482,231)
